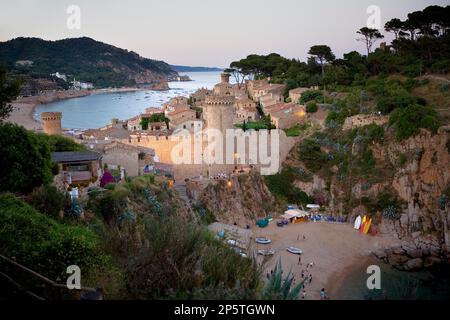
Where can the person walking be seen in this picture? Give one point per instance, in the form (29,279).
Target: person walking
(323,294)
(310,278)
(300,259)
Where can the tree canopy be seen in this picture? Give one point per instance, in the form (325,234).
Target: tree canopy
(25,162)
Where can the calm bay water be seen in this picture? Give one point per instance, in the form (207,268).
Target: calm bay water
(429,284)
(97,110)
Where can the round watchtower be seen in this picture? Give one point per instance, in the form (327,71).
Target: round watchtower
(218,112)
(52,122)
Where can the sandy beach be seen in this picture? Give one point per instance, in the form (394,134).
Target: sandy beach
(334,249)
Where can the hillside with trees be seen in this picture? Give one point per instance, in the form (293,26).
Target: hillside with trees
(393,169)
(83,59)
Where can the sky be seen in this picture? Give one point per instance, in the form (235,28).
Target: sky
(205,32)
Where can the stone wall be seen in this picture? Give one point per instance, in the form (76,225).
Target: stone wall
(362,120)
(164,145)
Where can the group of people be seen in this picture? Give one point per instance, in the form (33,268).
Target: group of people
(306,276)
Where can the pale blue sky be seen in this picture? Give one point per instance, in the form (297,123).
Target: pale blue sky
(204,32)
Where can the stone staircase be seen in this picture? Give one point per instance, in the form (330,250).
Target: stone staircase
(181,189)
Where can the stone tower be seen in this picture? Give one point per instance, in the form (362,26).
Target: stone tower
(218,108)
(218,112)
(51,122)
(225,78)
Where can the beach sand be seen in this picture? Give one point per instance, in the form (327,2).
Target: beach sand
(23,114)
(334,249)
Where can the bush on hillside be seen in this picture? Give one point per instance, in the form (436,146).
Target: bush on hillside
(182,260)
(408,121)
(282,185)
(311,107)
(311,95)
(49,200)
(43,244)
(311,154)
(59,143)
(25,162)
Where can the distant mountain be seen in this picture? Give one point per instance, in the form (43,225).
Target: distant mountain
(84,59)
(194,69)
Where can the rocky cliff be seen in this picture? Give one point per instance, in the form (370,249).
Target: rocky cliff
(407,193)
(242,199)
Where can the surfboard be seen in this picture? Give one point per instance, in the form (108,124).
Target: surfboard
(363,224)
(357,222)
(366,229)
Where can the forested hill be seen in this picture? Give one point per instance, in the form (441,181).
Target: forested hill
(85,59)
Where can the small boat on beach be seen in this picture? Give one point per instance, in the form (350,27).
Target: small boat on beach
(294,250)
(263,240)
(266,252)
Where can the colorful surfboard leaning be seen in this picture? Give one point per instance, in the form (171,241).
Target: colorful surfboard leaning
(363,225)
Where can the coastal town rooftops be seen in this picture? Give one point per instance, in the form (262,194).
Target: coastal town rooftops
(279,107)
(129,147)
(75,156)
(298,90)
(181,110)
(288,112)
(153,110)
(106,133)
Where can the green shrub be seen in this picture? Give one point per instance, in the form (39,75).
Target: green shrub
(49,200)
(311,95)
(25,162)
(281,185)
(182,260)
(59,143)
(296,130)
(43,244)
(281,288)
(311,107)
(408,121)
(311,154)
(395,98)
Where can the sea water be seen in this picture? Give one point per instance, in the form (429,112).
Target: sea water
(426,284)
(97,110)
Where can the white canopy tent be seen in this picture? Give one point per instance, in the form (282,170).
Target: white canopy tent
(294,213)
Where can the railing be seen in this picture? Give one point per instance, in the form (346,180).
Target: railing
(43,280)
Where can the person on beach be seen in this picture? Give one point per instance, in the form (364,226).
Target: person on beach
(323,294)
(300,259)
(310,278)
(303,274)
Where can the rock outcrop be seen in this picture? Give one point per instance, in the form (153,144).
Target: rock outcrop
(241,200)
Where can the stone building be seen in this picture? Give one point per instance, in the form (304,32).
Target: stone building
(287,115)
(270,88)
(79,168)
(245,109)
(180,116)
(51,122)
(296,94)
(133,159)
